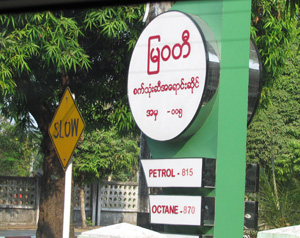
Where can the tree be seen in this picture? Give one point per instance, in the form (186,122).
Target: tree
(273,142)
(43,53)
(273,135)
(18,151)
(273,28)
(275,129)
(292,6)
(101,154)
(278,209)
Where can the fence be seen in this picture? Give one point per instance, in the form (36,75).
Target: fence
(106,203)
(19,200)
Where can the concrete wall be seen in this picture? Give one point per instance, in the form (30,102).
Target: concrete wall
(17,217)
(19,202)
(113,217)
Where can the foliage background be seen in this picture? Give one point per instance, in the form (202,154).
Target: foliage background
(273,136)
(19,151)
(87,50)
(105,153)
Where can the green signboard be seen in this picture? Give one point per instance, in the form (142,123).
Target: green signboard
(215,128)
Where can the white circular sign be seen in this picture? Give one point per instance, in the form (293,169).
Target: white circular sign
(167,76)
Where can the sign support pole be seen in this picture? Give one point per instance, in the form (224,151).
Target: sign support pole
(67,203)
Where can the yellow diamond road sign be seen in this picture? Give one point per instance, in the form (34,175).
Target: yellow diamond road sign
(66,128)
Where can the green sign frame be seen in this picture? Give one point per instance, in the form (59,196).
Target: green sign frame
(223,135)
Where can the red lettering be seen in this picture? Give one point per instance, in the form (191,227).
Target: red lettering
(150,172)
(165,209)
(159,170)
(159,211)
(165,58)
(153,58)
(185,38)
(161,88)
(174,209)
(173,173)
(150,113)
(155,54)
(161,173)
(169,173)
(153,173)
(153,209)
(176,112)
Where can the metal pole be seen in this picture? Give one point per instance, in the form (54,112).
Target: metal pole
(67,203)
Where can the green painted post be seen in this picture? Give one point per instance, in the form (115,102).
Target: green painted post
(223,135)
(231,153)
(230,181)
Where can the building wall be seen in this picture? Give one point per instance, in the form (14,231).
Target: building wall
(106,203)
